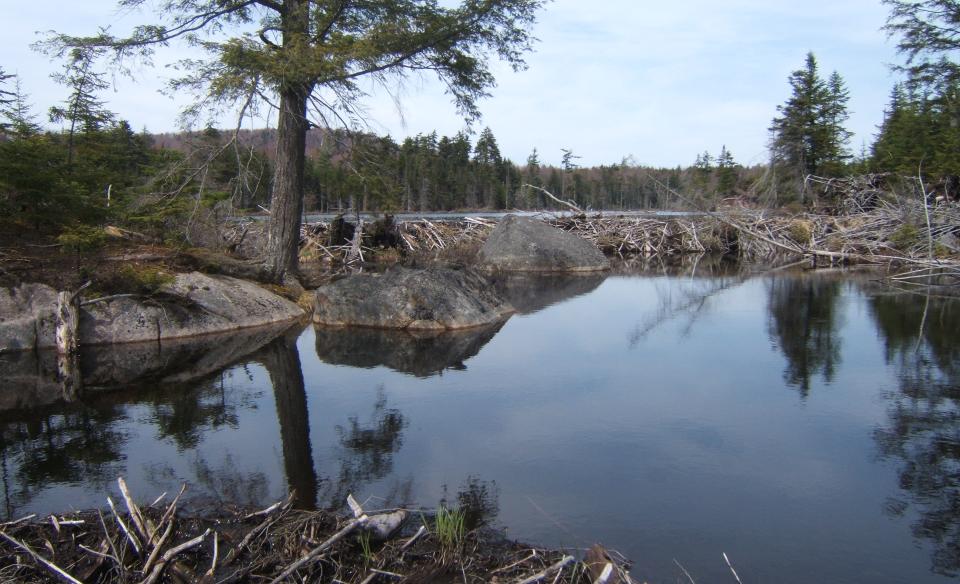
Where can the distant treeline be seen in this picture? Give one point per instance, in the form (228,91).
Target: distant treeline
(361,171)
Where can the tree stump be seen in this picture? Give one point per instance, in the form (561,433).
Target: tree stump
(68,344)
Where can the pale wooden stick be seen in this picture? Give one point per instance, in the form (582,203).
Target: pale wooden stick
(113,547)
(216,555)
(130,536)
(265,524)
(172,553)
(316,552)
(515,564)
(685,572)
(548,572)
(16,521)
(414,538)
(134,511)
(729,565)
(157,548)
(549,194)
(42,560)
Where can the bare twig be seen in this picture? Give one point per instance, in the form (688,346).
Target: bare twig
(549,571)
(319,550)
(172,553)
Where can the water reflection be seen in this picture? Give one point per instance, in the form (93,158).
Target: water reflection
(530,293)
(686,302)
(47,440)
(368,448)
(282,361)
(923,431)
(418,353)
(30,378)
(803,323)
(85,445)
(479,500)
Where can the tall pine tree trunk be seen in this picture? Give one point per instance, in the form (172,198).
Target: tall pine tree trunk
(286,206)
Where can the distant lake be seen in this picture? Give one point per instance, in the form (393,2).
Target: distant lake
(804,423)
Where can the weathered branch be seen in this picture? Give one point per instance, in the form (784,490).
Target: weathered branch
(549,194)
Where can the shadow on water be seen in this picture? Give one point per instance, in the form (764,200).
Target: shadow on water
(804,319)
(923,430)
(479,500)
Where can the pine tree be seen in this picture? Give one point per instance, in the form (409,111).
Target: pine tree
(16,111)
(568,165)
(929,36)
(808,137)
(6,96)
(726,172)
(489,166)
(82,111)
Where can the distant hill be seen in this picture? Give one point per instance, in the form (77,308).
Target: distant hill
(264,139)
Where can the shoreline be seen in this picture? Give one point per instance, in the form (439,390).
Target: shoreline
(155,542)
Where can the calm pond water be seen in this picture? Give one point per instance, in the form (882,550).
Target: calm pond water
(806,424)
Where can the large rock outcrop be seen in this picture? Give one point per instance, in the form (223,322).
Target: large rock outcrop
(27,317)
(412,299)
(193,304)
(522,244)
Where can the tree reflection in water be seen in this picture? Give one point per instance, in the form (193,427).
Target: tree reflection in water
(367,449)
(804,314)
(282,361)
(82,445)
(923,343)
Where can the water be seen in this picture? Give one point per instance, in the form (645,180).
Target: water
(804,424)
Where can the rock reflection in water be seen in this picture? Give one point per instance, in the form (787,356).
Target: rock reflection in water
(529,293)
(30,377)
(419,353)
(923,433)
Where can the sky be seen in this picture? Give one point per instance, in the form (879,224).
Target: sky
(659,82)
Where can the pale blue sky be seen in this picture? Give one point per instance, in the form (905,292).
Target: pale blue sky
(661,81)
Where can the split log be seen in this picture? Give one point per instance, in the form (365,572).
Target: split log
(68,344)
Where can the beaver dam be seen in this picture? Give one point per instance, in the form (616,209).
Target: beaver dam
(866,229)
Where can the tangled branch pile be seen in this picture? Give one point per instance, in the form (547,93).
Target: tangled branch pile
(154,543)
(871,224)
